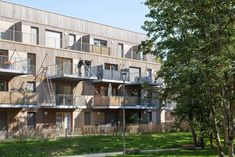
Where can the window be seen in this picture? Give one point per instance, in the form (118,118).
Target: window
(72,39)
(34,35)
(149,72)
(108,66)
(31,87)
(32,63)
(4,59)
(135,74)
(3,85)
(31,119)
(149,116)
(53,39)
(87,118)
(64,66)
(1,35)
(99,42)
(121,49)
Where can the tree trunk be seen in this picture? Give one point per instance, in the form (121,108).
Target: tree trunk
(194,134)
(230,148)
(211,140)
(218,143)
(202,140)
(216,134)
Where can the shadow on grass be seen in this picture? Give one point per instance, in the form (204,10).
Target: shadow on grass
(178,153)
(91,144)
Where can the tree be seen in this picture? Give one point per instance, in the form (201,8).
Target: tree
(196,43)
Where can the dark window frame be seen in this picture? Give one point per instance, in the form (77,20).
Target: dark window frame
(31,120)
(34,86)
(101,42)
(5,85)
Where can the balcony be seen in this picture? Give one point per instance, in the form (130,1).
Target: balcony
(39,39)
(14,66)
(141,80)
(117,102)
(70,101)
(29,38)
(112,76)
(100,50)
(71,72)
(17,99)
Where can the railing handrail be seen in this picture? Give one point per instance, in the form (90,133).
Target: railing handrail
(72,95)
(118,97)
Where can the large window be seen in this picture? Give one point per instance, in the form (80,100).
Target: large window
(31,119)
(53,39)
(72,39)
(108,66)
(34,35)
(121,49)
(4,59)
(149,116)
(87,118)
(32,63)
(3,85)
(64,66)
(135,74)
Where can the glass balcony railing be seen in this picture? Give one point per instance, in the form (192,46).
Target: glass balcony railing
(110,75)
(53,42)
(72,70)
(120,100)
(16,65)
(38,39)
(71,100)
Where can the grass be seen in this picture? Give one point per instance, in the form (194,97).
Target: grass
(179,153)
(91,144)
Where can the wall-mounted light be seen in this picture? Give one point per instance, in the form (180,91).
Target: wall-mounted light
(45,113)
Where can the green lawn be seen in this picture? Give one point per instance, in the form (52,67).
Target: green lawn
(180,153)
(91,144)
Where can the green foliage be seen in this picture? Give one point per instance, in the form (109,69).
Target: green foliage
(196,43)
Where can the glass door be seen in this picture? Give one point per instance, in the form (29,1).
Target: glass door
(59,123)
(67,122)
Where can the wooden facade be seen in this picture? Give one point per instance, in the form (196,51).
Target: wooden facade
(62,94)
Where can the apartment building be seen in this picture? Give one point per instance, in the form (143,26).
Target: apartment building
(62,72)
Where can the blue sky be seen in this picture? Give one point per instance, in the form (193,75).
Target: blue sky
(127,14)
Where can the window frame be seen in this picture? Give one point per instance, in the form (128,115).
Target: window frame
(33,85)
(5,85)
(34,119)
(37,35)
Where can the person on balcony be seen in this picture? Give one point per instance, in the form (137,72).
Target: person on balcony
(79,66)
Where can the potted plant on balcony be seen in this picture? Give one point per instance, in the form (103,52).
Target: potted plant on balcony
(7,64)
